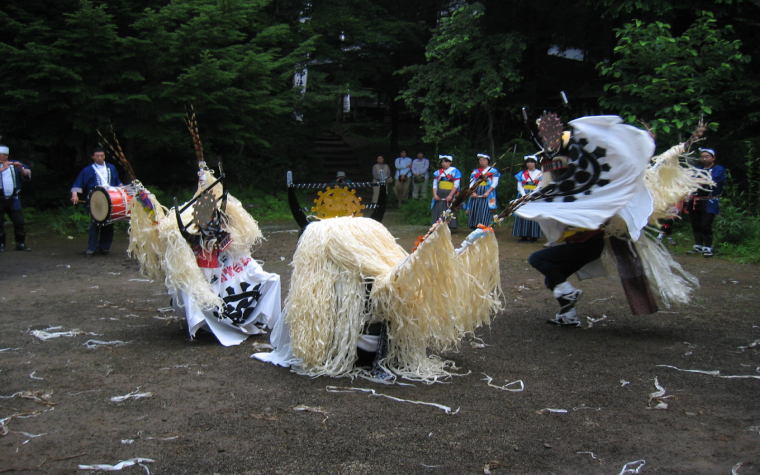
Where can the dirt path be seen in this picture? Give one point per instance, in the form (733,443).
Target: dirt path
(215,410)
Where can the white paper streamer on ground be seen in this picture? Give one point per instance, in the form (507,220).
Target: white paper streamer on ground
(8,349)
(119,466)
(337,389)
(658,397)
(90,344)
(751,345)
(592,454)
(133,395)
(45,335)
(591,321)
(584,407)
(317,410)
(735,468)
(634,468)
(31,375)
(506,387)
(712,373)
(549,409)
(491,466)
(478,343)
(41,396)
(22,415)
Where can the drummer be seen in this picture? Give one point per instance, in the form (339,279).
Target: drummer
(99,173)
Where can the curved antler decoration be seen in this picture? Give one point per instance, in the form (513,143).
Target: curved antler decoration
(117,152)
(192,125)
(696,136)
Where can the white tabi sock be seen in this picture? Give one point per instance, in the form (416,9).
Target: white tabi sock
(563,289)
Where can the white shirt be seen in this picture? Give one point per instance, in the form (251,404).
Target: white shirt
(101,171)
(403,166)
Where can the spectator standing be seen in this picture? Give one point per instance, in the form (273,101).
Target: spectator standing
(420,166)
(12,175)
(483,200)
(103,174)
(704,205)
(380,172)
(528,181)
(446,183)
(403,177)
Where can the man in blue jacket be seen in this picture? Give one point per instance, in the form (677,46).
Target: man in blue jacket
(12,175)
(703,205)
(99,173)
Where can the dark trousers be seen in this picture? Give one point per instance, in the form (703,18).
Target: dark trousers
(701,225)
(106,237)
(17,217)
(560,262)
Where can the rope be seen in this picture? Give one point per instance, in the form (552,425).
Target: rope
(364,184)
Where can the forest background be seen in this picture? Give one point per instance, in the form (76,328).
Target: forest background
(441,76)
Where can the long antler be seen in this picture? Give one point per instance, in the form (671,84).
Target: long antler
(192,126)
(118,153)
(699,131)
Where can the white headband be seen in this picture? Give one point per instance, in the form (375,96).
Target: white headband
(4,149)
(446,157)
(708,150)
(484,156)
(530,157)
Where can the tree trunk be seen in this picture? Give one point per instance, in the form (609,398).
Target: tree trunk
(394,124)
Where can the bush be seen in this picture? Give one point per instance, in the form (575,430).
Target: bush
(66,220)
(737,234)
(416,212)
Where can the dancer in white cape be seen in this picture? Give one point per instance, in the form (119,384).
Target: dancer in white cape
(595,193)
(203,254)
(355,293)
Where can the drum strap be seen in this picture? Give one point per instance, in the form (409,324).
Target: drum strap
(103,173)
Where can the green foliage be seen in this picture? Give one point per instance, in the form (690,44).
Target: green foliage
(264,206)
(417,212)
(671,81)
(65,220)
(466,72)
(737,229)
(751,198)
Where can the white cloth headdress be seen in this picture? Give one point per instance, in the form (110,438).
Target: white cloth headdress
(4,150)
(448,158)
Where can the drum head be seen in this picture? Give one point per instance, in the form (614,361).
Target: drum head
(203,210)
(100,205)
